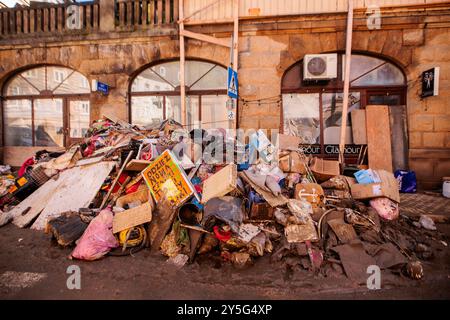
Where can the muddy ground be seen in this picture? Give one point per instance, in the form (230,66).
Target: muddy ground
(34,267)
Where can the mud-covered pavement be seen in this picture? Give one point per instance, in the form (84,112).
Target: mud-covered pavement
(33,267)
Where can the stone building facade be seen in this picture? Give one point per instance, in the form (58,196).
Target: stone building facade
(414,39)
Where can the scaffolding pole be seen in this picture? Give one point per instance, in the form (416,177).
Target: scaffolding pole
(348,60)
(182,65)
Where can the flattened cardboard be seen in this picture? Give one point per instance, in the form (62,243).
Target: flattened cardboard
(387,188)
(220,184)
(296,233)
(132,218)
(344,231)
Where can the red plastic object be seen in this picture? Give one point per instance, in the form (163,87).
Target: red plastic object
(25,165)
(223,236)
(133,188)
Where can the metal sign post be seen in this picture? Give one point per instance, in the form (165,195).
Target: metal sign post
(218,41)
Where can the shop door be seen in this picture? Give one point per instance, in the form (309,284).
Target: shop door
(77,120)
(48,122)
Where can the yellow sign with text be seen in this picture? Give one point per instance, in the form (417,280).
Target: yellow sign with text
(165,177)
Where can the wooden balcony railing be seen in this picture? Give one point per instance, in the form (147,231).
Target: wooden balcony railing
(145,13)
(47,18)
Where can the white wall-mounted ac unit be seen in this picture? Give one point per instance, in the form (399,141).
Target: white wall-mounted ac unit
(320,66)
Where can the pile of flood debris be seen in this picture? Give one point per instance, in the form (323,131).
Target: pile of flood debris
(204,193)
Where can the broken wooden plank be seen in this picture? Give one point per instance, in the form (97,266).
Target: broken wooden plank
(379,137)
(77,189)
(32,206)
(359,126)
(132,217)
(137,165)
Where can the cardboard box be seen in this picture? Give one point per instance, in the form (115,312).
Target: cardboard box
(293,162)
(220,184)
(132,218)
(325,169)
(387,188)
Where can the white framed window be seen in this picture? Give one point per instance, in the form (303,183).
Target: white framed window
(59,75)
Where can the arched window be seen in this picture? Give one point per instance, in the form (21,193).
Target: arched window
(46,106)
(155,95)
(312,110)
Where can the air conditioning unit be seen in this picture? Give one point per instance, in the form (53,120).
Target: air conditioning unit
(320,66)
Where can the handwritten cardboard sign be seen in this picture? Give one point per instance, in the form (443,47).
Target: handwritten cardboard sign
(165,176)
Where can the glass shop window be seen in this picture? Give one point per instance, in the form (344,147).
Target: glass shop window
(34,107)
(302,116)
(332,116)
(312,110)
(155,95)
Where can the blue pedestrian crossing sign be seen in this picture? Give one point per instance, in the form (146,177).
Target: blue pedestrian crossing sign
(233,84)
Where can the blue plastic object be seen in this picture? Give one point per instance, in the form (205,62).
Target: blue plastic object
(366,177)
(407,181)
(197,204)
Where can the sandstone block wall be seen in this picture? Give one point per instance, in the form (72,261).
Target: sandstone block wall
(266,51)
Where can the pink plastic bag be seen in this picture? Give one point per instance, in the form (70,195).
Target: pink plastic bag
(386,208)
(98,238)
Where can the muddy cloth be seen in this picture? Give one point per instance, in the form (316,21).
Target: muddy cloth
(355,260)
(386,255)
